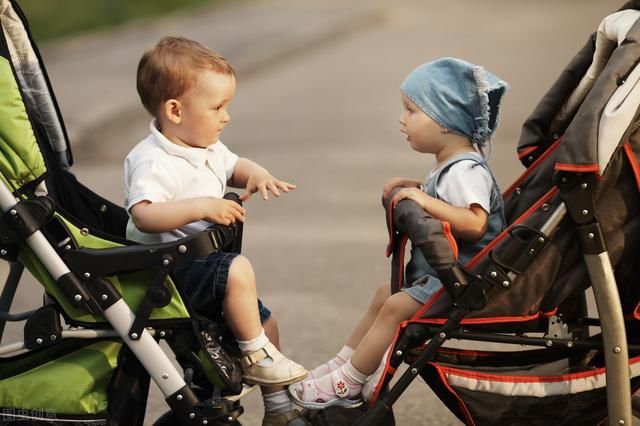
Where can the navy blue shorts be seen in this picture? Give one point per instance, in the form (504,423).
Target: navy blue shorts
(204,281)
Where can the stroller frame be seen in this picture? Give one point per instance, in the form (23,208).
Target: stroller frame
(614,341)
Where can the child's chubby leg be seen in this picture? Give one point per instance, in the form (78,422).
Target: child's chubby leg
(380,296)
(262,363)
(383,292)
(343,386)
(399,307)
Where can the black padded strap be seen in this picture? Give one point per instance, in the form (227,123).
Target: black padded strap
(105,262)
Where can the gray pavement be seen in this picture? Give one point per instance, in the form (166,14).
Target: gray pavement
(317,104)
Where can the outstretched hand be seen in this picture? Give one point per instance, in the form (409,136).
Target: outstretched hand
(263,182)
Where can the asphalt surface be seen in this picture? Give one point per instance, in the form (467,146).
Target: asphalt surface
(317,104)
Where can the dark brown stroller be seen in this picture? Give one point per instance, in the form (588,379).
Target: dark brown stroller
(573,224)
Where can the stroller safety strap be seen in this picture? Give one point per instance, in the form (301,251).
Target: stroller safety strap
(151,256)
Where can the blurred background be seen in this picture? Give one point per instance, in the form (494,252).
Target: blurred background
(65,18)
(317,104)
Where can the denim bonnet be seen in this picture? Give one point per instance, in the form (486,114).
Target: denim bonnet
(461,97)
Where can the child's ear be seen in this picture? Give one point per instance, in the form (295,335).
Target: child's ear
(172,110)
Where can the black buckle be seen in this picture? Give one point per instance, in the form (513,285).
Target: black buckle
(158,295)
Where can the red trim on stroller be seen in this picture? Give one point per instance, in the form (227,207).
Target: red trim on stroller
(504,386)
(577,167)
(488,320)
(532,167)
(390,222)
(456,351)
(504,233)
(526,151)
(461,403)
(632,160)
(527,379)
(446,228)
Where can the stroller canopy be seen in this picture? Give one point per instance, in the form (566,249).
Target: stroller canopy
(594,107)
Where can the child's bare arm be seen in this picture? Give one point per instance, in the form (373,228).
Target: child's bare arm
(166,216)
(255,178)
(466,223)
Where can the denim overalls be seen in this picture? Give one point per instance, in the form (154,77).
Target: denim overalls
(421,280)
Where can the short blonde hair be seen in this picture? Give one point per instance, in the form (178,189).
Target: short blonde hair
(171,67)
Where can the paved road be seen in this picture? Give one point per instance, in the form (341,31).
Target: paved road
(317,104)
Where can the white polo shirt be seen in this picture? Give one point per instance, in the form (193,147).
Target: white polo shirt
(157,170)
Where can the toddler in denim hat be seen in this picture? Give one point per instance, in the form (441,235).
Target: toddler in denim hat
(450,109)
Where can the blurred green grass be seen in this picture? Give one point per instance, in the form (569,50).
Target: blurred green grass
(51,19)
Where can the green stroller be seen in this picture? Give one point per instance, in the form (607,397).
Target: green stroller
(572,226)
(89,352)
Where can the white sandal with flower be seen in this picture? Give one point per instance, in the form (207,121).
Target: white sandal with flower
(310,394)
